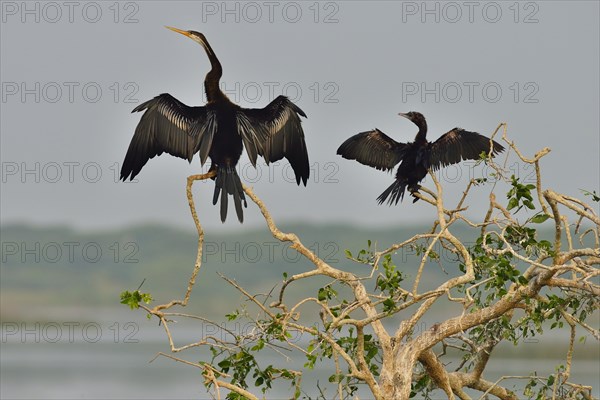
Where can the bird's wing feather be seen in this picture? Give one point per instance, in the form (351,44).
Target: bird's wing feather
(275,132)
(457,145)
(373,148)
(169,126)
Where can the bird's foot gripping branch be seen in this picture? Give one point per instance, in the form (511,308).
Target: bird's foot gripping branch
(528,266)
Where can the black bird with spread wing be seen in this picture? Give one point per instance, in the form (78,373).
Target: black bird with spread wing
(376,149)
(219,130)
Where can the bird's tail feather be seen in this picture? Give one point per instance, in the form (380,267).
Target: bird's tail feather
(228,183)
(396,190)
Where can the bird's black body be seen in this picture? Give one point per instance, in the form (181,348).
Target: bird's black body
(376,149)
(219,130)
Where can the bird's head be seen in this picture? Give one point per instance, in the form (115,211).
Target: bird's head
(416,117)
(195,36)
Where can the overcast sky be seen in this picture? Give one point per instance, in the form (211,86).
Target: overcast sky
(72,72)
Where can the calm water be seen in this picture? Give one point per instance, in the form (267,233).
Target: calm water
(113,367)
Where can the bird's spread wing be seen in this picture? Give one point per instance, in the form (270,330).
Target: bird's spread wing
(169,126)
(457,145)
(275,132)
(373,148)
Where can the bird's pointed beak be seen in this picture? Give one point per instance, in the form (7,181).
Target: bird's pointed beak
(405,115)
(185,33)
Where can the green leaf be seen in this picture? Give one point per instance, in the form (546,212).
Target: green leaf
(389,305)
(232,316)
(258,346)
(512,203)
(538,219)
(322,294)
(529,204)
(146,298)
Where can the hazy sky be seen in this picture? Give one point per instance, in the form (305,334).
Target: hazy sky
(72,72)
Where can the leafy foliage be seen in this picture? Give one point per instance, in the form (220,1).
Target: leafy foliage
(133,299)
(389,283)
(240,364)
(520,195)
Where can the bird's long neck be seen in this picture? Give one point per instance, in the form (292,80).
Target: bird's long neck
(211,82)
(422,134)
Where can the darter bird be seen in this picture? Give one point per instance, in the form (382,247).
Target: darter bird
(219,130)
(376,149)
